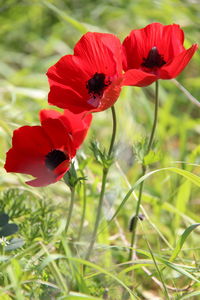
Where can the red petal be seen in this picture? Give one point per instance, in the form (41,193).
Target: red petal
(31,138)
(177,64)
(66,98)
(49,113)
(51,177)
(172,40)
(79,124)
(24,162)
(167,38)
(100,52)
(59,135)
(138,78)
(68,74)
(62,168)
(133,50)
(41,181)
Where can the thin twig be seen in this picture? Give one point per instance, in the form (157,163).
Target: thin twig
(187,94)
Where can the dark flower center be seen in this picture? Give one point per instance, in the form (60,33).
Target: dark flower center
(96,84)
(54,158)
(154,59)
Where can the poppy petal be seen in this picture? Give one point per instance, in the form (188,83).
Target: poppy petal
(79,124)
(48,113)
(42,180)
(68,73)
(32,139)
(50,177)
(138,78)
(59,135)
(67,98)
(177,64)
(24,162)
(172,40)
(100,52)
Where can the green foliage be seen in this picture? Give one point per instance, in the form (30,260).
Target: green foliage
(101,156)
(71,178)
(39,261)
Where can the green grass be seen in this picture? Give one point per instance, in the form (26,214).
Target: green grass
(51,265)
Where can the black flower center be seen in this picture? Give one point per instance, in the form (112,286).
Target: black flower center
(54,158)
(96,84)
(154,59)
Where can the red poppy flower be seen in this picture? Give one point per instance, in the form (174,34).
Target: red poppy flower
(45,151)
(155,52)
(91,79)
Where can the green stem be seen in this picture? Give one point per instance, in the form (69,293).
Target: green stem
(84,210)
(113,131)
(144,171)
(70,209)
(155,119)
(103,185)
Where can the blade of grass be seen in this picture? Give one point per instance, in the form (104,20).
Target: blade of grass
(188,175)
(181,241)
(74,23)
(158,270)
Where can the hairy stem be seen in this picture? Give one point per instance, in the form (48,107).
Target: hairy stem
(103,185)
(144,171)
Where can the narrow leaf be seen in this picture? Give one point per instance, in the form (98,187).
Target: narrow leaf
(182,239)
(14,244)
(8,229)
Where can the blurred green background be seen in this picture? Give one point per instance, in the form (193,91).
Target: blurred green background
(35,34)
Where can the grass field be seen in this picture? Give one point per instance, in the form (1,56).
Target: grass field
(43,262)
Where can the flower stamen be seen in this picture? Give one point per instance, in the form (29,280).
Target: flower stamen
(96,86)
(154,59)
(55,158)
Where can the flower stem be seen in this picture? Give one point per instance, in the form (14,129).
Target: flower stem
(113,131)
(70,209)
(144,171)
(103,185)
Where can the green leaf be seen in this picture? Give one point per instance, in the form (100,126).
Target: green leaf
(181,241)
(181,201)
(177,268)
(50,258)
(77,296)
(190,176)
(152,157)
(8,229)
(14,244)
(4,218)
